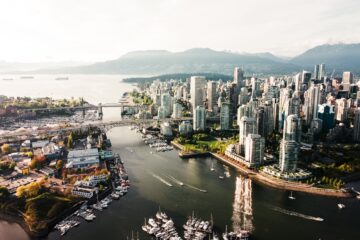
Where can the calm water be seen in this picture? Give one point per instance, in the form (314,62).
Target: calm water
(234,201)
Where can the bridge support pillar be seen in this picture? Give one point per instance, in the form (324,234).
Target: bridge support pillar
(100,111)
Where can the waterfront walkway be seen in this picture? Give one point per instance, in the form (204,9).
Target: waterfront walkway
(272,181)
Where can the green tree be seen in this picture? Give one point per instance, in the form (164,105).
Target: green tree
(5,148)
(59,164)
(4,193)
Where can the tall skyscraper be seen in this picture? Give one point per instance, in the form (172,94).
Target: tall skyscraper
(317,72)
(197,86)
(348,78)
(177,110)
(225,116)
(199,118)
(265,119)
(247,126)
(255,88)
(211,95)
(289,146)
(243,96)
(254,150)
(322,72)
(289,104)
(311,102)
(162,113)
(239,77)
(326,113)
(357,125)
(166,103)
(305,77)
(341,109)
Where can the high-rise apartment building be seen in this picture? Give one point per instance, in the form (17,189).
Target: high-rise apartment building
(197,87)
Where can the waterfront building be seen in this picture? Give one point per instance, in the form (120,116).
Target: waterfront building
(247,126)
(185,128)
(177,110)
(165,129)
(357,125)
(254,151)
(211,95)
(289,146)
(326,113)
(225,116)
(83,158)
(199,118)
(197,88)
(166,103)
(84,192)
(143,114)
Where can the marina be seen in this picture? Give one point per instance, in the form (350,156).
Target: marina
(88,211)
(161,226)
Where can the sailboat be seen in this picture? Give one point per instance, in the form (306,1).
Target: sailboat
(145,227)
(291,196)
(225,234)
(212,167)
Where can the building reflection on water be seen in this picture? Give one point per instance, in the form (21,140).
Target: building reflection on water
(242,207)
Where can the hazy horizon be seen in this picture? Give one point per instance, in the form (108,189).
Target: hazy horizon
(92,31)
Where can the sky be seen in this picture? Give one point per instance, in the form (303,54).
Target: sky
(98,30)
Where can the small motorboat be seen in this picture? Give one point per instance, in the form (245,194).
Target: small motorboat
(341,206)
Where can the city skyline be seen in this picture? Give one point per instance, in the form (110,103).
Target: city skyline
(90,31)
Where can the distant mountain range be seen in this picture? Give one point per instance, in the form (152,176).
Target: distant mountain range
(340,57)
(8,67)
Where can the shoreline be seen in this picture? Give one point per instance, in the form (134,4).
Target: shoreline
(271,181)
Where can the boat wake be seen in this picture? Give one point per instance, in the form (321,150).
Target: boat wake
(296,214)
(161,179)
(195,188)
(175,180)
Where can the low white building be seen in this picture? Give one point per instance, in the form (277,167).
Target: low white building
(83,158)
(84,192)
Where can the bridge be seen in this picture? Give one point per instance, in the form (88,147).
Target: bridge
(122,105)
(46,133)
(91,107)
